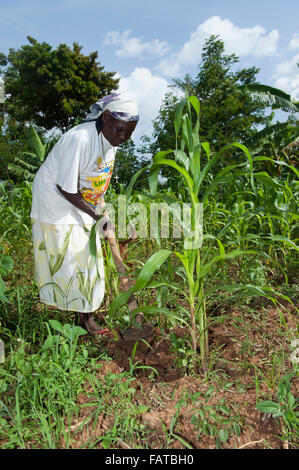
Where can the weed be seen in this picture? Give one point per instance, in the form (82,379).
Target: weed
(286,407)
(218,421)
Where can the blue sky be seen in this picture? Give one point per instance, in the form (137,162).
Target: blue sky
(148,43)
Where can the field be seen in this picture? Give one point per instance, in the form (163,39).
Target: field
(220,371)
(83,393)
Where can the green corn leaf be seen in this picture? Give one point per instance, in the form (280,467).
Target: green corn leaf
(264,178)
(206,147)
(133,181)
(178,117)
(187,132)
(181,157)
(195,103)
(92,240)
(153,179)
(86,285)
(213,160)
(6,264)
(205,269)
(156,284)
(150,267)
(184,173)
(277,162)
(93,245)
(162,154)
(280,238)
(220,244)
(36,144)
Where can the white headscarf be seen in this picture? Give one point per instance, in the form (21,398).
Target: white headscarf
(120,106)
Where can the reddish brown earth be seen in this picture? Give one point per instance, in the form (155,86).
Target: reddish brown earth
(230,380)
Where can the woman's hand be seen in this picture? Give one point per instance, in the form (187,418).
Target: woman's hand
(106,227)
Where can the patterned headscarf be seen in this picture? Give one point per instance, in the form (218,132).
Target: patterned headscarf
(120,107)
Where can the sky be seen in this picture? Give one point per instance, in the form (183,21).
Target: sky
(149,43)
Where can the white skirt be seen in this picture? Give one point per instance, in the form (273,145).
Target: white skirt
(66,274)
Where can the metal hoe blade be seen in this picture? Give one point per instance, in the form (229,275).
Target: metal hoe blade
(133,334)
(142,330)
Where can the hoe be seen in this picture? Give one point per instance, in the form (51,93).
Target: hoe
(141,330)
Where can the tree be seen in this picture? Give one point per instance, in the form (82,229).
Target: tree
(53,87)
(232,108)
(227,113)
(127,163)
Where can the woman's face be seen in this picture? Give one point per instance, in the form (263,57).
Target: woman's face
(115,130)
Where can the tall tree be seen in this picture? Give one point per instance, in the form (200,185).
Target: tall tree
(227,113)
(127,162)
(53,87)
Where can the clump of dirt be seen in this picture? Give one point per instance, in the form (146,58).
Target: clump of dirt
(194,407)
(155,352)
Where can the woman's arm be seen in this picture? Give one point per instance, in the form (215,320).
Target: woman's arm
(78,201)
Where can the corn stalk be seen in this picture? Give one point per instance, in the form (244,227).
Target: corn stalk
(187,161)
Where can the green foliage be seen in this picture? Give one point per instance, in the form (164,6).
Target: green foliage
(6,265)
(274,97)
(63,345)
(53,87)
(218,421)
(13,141)
(227,115)
(286,407)
(230,110)
(45,383)
(15,204)
(257,216)
(250,233)
(26,165)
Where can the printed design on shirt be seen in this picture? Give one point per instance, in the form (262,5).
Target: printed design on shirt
(98,184)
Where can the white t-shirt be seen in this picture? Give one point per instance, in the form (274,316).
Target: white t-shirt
(82,160)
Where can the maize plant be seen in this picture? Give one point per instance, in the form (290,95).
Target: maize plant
(187,162)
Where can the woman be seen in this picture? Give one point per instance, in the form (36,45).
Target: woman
(67,189)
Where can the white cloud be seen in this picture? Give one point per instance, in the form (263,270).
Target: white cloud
(287,77)
(148,90)
(241,41)
(134,47)
(294,43)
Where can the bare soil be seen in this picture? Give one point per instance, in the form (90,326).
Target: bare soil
(241,373)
